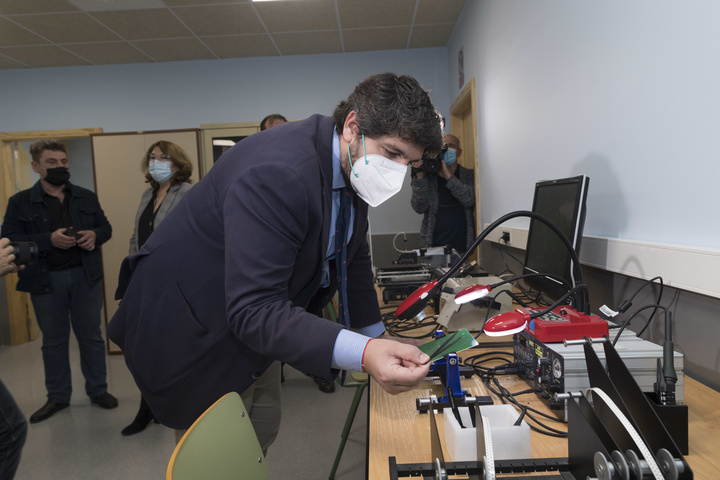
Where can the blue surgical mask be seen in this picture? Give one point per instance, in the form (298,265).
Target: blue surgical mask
(450,156)
(160,170)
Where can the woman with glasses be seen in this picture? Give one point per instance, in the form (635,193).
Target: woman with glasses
(167,169)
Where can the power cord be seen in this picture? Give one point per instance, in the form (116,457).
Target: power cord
(534,417)
(625,305)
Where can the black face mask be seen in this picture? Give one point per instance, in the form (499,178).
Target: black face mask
(57,176)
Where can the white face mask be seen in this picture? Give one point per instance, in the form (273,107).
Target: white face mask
(376,178)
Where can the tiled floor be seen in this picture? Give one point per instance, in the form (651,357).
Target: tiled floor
(84,441)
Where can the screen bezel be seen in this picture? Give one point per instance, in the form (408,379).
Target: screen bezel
(553,289)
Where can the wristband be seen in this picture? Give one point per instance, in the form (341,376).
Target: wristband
(362,361)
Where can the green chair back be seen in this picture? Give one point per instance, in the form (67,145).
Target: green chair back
(220,445)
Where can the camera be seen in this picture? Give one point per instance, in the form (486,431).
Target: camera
(26,253)
(433,164)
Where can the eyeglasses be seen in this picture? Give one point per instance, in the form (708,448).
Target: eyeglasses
(161,157)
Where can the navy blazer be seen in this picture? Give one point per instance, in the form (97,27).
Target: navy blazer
(221,288)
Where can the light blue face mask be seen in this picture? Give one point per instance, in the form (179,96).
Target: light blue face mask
(160,170)
(450,156)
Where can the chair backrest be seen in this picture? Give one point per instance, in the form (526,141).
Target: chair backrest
(221,444)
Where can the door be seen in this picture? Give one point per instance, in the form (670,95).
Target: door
(463,124)
(17,321)
(217,138)
(119,184)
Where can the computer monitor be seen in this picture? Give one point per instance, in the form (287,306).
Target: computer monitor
(563,203)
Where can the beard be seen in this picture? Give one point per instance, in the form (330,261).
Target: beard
(355,152)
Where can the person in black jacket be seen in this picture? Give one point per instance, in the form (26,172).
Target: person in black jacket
(68,225)
(446,200)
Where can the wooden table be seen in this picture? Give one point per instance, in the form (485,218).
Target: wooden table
(396,429)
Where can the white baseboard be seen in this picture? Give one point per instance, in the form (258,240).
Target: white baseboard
(682,267)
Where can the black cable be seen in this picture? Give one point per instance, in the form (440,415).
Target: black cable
(506,251)
(488,377)
(647,322)
(624,306)
(400,328)
(506,397)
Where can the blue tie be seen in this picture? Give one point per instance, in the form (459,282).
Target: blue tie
(341,231)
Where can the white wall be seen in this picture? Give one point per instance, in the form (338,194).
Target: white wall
(141,97)
(627,92)
(623,91)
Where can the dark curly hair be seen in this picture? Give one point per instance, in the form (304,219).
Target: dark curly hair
(37,148)
(388,104)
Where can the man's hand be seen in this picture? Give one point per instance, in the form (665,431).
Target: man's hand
(445,171)
(86,239)
(7,258)
(62,241)
(397,367)
(419,173)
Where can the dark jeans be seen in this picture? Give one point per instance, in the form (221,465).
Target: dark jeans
(13,430)
(72,302)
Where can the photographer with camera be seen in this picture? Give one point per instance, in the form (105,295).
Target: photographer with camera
(13,426)
(67,224)
(444,193)
(7,258)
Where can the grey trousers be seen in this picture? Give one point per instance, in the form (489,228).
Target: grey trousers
(263,402)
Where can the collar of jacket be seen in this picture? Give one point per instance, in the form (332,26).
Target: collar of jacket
(36,191)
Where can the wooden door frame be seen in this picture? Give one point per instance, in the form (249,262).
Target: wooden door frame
(210,130)
(464,127)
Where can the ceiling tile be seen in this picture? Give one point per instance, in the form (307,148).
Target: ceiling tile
(10,7)
(143,24)
(109,53)
(298,16)
(175,50)
(174,3)
(114,5)
(44,56)
(438,11)
(234,46)
(67,27)
(180,30)
(220,19)
(307,43)
(363,39)
(8,63)
(372,13)
(425,36)
(12,35)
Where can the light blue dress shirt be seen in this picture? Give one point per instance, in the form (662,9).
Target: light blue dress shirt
(349,345)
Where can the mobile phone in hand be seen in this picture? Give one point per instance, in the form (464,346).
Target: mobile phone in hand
(70,232)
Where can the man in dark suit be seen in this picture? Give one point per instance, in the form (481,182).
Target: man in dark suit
(226,284)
